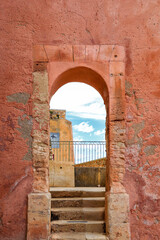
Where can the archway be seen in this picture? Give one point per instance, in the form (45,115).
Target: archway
(77,137)
(80,74)
(103,68)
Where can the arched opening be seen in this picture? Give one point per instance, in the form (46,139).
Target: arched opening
(86,75)
(77,118)
(81,74)
(68,166)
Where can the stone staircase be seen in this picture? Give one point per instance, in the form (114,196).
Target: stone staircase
(78,213)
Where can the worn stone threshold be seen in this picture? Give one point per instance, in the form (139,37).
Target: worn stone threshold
(95,189)
(78,236)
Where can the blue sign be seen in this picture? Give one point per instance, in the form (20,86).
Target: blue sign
(54,140)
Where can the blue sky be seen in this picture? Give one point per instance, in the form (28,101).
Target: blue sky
(84,108)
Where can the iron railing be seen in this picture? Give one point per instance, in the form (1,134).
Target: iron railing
(78,151)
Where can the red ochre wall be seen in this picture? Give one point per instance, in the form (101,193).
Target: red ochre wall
(133,24)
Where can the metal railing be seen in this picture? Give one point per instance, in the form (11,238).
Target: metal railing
(78,151)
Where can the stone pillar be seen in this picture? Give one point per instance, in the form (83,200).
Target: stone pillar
(117,200)
(39,201)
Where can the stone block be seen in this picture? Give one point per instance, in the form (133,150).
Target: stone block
(117,69)
(40,156)
(79,52)
(118,206)
(117,159)
(105,53)
(117,173)
(118,146)
(117,215)
(39,201)
(116,188)
(117,79)
(39,110)
(117,109)
(39,54)
(120,232)
(41,180)
(40,137)
(59,53)
(118,54)
(38,232)
(117,131)
(62,174)
(92,52)
(40,86)
(39,205)
(40,149)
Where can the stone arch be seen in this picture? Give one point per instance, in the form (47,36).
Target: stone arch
(81,74)
(91,74)
(53,67)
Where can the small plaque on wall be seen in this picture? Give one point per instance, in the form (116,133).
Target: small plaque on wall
(54,137)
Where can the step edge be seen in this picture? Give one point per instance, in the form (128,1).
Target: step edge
(76,221)
(74,209)
(78,198)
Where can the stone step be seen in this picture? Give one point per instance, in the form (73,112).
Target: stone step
(78,236)
(78,202)
(78,213)
(77,226)
(60,192)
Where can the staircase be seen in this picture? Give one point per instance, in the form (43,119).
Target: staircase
(78,213)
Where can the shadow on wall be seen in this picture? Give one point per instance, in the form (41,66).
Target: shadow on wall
(90,174)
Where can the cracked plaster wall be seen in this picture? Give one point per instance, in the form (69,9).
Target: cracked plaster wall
(132,24)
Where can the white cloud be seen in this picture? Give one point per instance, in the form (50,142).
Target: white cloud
(99,132)
(79,99)
(83,127)
(78,139)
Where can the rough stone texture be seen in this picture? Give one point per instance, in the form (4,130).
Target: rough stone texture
(25,127)
(40,134)
(41,180)
(120,232)
(132,24)
(75,219)
(18,97)
(122,210)
(79,236)
(117,91)
(40,149)
(39,216)
(117,216)
(39,202)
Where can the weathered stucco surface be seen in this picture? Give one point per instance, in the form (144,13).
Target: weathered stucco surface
(133,24)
